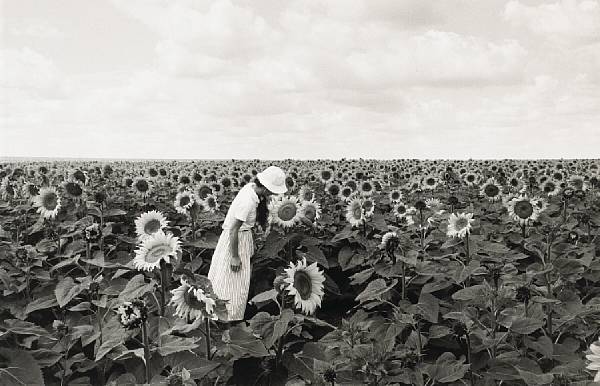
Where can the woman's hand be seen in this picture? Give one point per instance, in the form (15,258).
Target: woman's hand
(236,263)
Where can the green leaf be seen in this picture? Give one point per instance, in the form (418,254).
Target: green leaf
(19,368)
(374,290)
(21,327)
(348,258)
(280,327)
(470,293)
(526,326)
(171,344)
(136,288)
(66,290)
(113,212)
(446,369)
(533,379)
(42,303)
(264,297)
(244,344)
(314,254)
(429,306)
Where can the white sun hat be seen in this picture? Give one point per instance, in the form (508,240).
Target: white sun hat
(273,178)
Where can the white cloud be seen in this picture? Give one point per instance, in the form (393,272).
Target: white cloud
(565,19)
(34,28)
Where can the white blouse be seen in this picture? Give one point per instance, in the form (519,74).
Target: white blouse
(243,207)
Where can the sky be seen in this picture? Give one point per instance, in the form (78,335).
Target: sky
(276,79)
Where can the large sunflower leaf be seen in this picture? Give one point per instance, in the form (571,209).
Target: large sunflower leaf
(18,368)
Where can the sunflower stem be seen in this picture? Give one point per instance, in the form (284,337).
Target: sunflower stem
(146,352)
(163,287)
(207,329)
(403,281)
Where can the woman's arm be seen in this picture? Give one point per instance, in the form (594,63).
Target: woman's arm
(236,263)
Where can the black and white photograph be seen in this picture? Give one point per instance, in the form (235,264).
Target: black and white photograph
(301,192)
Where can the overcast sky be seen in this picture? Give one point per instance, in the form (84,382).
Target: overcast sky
(300,79)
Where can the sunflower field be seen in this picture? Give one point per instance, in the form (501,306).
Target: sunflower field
(403,272)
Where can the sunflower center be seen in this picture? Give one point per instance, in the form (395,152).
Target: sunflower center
(334,190)
(523,209)
(79,176)
(50,201)
(141,185)
(204,191)
(367,204)
(395,195)
(462,223)
(430,181)
(401,209)
(152,226)
(303,284)
(310,213)
(470,178)
(549,187)
(33,190)
(287,211)
(73,189)
(577,183)
(491,190)
(183,201)
(192,301)
(158,252)
(357,212)
(211,202)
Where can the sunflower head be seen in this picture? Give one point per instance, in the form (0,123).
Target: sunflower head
(132,314)
(47,202)
(305,283)
(285,211)
(155,249)
(73,188)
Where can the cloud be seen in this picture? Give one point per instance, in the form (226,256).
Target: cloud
(35,28)
(565,19)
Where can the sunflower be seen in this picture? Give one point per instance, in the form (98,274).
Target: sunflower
(73,189)
(305,283)
(142,186)
(326,175)
(192,302)
(306,193)
(551,187)
(368,207)
(471,179)
(577,182)
(346,193)
(47,202)
(290,183)
(7,188)
(435,205)
(429,182)
(203,190)
(284,211)
(30,190)
(149,223)
(184,201)
(401,211)
(333,189)
(154,249)
(311,210)
(523,209)
(211,203)
(80,176)
(594,359)
(366,188)
(395,196)
(459,225)
(132,314)
(389,242)
(491,190)
(355,213)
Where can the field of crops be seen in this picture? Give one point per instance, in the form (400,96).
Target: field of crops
(397,272)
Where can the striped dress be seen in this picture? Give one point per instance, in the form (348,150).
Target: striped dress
(229,285)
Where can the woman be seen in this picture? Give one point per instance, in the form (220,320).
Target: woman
(230,267)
